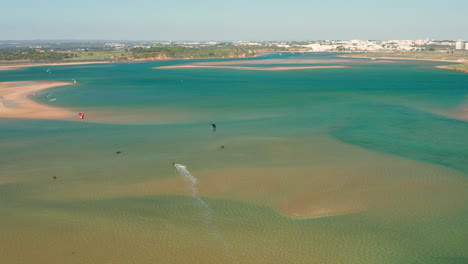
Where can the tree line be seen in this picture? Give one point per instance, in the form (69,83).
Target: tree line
(34,55)
(179,52)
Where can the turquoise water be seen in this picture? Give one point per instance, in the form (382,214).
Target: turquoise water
(382,121)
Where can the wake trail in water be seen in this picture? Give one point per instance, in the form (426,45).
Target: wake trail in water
(191,183)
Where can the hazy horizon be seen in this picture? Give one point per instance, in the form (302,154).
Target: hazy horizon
(207,20)
(205,40)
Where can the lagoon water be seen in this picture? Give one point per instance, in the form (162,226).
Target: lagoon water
(364,164)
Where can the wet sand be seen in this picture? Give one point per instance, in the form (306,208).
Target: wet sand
(283,68)
(22,66)
(14,102)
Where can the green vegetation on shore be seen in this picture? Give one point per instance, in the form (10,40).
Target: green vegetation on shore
(34,55)
(92,55)
(178,52)
(150,53)
(37,55)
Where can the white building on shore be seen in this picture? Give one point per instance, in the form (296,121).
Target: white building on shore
(459,45)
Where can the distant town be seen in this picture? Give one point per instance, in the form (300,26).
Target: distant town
(72,50)
(306,46)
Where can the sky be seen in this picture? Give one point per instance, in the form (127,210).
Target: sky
(218,20)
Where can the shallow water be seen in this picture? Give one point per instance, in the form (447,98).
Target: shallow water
(348,165)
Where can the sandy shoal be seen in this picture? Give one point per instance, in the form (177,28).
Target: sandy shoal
(418,59)
(460,112)
(328,178)
(14,102)
(21,65)
(283,68)
(448,67)
(401,58)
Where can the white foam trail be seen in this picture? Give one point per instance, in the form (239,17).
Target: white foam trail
(207,211)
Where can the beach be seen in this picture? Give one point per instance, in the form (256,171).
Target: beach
(17,66)
(16,104)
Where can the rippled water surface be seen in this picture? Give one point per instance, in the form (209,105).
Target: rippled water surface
(363,164)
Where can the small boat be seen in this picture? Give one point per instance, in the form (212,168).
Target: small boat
(81,115)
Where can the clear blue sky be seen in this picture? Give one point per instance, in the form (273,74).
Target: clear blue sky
(233,20)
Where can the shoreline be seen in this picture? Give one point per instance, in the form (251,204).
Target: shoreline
(448,67)
(6,66)
(190,58)
(19,65)
(443,67)
(15,103)
(249,68)
(401,58)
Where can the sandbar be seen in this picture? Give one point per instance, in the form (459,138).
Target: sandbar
(420,59)
(451,68)
(19,66)
(402,58)
(282,68)
(461,61)
(14,102)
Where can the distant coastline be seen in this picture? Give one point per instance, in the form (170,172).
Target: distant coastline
(167,58)
(6,65)
(22,65)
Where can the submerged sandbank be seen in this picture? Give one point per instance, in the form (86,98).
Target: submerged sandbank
(282,68)
(14,102)
(460,112)
(328,178)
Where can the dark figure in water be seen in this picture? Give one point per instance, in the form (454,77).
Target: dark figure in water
(118,152)
(55,177)
(222,147)
(214,127)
